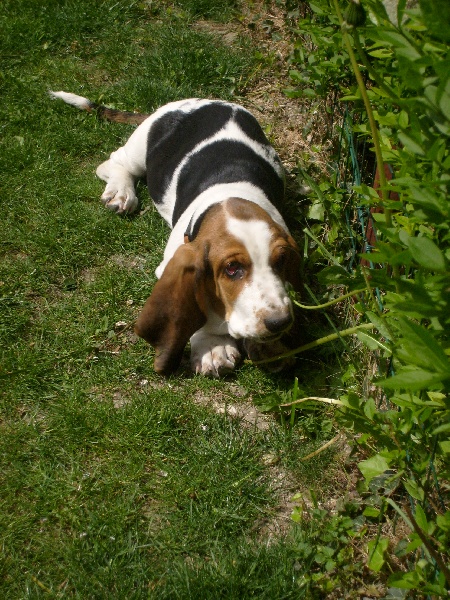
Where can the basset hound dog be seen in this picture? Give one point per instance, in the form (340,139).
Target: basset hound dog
(224,280)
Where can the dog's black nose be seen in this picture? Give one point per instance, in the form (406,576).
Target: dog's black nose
(278,323)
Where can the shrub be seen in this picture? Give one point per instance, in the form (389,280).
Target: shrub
(394,75)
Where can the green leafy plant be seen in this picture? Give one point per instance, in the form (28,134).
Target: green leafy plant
(328,546)
(396,77)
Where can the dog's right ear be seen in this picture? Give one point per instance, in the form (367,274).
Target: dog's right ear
(175,310)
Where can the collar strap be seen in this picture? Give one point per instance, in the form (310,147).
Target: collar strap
(189,234)
(193,227)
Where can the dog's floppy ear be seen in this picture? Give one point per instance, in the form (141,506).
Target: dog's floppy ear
(175,309)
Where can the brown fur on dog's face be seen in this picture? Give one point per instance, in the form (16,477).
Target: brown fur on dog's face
(242,282)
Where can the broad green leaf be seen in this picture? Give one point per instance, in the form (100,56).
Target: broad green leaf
(424,197)
(372,467)
(382,53)
(411,378)
(293,93)
(372,343)
(402,400)
(445,428)
(309,93)
(380,323)
(445,447)
(416,309)
(437,397)
(377,550)
(352,401)
(268,403)
(297,514)
(296,75)
(442,429)
(436,15)
(369,408)
(400,43)
(421,518)
(443,521)
(334,275)
(404,581)
(371,511)
(411,144)
(403,119)
(444,105)
(414,490)
(414,543)
(419,347)
(316,211)
(425,252)
(316,9)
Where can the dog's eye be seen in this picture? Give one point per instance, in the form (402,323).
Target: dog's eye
(280,261)
(234,270)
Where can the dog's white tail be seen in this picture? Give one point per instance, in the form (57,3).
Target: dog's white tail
(111,114)
(74,100)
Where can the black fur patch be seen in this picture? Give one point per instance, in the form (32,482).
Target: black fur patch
(250,126)
(173,136)
(225,161)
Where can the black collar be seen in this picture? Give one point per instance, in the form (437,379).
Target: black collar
(194,226)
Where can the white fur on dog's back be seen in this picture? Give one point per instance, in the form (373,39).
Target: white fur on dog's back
(72,99)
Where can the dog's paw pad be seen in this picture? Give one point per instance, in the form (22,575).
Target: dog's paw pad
(108,195)
(122,205)
(213,357)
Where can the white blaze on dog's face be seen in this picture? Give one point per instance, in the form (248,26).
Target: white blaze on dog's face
(250,273)
(263,297)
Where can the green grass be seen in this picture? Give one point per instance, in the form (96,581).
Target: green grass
(114,482)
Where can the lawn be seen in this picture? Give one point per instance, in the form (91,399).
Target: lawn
(115,482)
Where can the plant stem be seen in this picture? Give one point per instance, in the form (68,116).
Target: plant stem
(319,342)
(331,302)
(371,294)
(373,127)
(322,247)
(426,542)
(322,448)
(315,398)
(372,123)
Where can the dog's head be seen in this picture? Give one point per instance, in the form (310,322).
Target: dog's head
(237,267)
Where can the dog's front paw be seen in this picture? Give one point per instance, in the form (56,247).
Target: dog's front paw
(258,351)
(121,201)
(213,355)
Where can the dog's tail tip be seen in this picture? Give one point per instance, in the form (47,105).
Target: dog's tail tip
(72,99)
(103,112)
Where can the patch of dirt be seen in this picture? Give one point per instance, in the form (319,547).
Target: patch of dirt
(279,523)
(243,410)
(282,483)
(127,262)
(120,399)
(229,32)
(124,262)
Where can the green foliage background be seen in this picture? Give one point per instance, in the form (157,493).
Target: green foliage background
(401,108)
